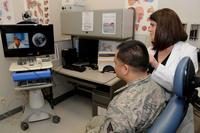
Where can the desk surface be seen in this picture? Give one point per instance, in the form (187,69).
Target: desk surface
(90,75)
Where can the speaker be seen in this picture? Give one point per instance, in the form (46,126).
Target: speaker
(69,56)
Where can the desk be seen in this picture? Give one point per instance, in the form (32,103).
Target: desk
(100,85)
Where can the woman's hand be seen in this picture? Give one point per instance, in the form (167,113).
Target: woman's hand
(152,61)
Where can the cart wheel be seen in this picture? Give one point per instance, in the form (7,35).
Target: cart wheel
(24,126)
(55,119)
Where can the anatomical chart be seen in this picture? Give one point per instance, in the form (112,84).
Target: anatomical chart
(143,8)
(6,12)
(39,10)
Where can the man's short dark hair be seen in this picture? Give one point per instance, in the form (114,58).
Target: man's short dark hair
(134,53)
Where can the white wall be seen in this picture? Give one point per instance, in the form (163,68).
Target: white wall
(188,11)
(104,4)
(55,8)
(12,98)
(9,98)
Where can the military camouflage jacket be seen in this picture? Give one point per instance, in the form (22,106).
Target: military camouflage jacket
(135,107)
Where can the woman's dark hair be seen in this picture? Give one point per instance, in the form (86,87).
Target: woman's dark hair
(169,29)
(134,53)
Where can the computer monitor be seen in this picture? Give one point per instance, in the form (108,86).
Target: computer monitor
(22,40)
(88,50)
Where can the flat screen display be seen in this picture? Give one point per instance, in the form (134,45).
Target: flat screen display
(24,40)
(17,40)
(88,50)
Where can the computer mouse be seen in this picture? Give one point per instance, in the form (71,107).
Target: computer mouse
(94,66)
(79,68)
(108,68)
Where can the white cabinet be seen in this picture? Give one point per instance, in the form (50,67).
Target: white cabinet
(114,24)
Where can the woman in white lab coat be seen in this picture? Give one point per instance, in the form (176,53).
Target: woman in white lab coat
(164,74)
(169,47)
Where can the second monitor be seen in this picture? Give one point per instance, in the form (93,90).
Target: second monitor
(87,50)
(85,53)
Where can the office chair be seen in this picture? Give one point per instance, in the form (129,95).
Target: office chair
(185,82)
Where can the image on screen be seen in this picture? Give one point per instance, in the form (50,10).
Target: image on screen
(17,40)
(39,39)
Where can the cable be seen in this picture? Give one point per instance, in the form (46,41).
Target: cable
(12,102)
(72,38)
(53,81)
(110,80)
(32,70)
(194,100)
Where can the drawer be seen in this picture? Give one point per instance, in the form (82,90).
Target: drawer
(101,99)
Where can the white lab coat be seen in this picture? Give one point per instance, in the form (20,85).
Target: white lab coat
(13,46)
(164,74)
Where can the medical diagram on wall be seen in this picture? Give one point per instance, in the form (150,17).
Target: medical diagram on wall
(39,10)
(6,12)
(144,8)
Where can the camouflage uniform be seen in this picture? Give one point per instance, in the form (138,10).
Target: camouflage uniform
(132,110)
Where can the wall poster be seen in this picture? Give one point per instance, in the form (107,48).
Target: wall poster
(109,23)
(39,10)
(144,8)
(6,12)
(87,21)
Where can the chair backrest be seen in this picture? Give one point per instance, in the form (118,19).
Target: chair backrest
(171,117)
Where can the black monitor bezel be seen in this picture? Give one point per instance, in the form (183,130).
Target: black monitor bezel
(31,29)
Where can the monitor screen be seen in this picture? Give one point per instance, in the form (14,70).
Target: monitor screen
(24,40)
(88,50)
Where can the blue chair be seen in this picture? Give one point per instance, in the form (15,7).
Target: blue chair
(184,86)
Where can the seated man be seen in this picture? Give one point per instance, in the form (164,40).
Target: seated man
(136,105)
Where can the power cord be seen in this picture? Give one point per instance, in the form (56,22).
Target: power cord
(110,80)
